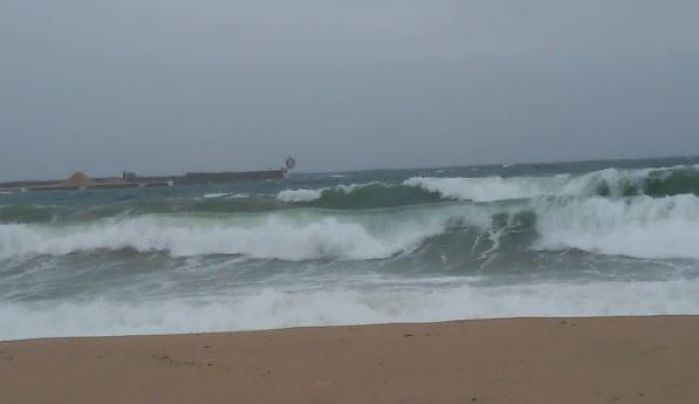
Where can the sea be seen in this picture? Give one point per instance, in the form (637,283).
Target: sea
(598,238)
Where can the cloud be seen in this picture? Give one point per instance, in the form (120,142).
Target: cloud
(168,86)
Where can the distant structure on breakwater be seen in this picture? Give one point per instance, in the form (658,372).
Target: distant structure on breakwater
(80,181)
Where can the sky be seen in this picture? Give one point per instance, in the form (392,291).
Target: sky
(168,86)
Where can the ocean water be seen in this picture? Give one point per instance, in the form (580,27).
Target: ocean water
(575,239)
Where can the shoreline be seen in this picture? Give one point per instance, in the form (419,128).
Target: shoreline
(647,359)
(342,326)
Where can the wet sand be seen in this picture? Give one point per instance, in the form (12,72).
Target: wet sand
(600,360)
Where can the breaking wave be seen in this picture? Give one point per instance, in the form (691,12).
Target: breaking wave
(267,308)
(300,195)
(272,237)
(419,190)
(385,246)
(641,227)
(489,189)
(609,182)
(226,195)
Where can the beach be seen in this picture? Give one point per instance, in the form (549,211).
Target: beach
(530,360)
(318,202)
(580,239)
(527,283)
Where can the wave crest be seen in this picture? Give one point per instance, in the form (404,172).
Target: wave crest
(271,238)
(609,182)
(641,227)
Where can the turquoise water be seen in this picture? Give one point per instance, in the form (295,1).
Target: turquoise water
(591,238)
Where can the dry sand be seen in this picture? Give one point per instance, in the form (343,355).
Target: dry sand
(603,360)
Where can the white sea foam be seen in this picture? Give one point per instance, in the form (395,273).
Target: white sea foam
(300,195)
(266,308)
(215,195)
(642,227)
(226,195)
(487,189)
(613,179)
(274,237)
(353,187)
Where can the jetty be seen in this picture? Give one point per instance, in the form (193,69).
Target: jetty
(80,181)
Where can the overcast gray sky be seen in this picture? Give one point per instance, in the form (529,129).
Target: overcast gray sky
(160,86)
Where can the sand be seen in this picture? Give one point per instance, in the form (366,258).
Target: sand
(602,360)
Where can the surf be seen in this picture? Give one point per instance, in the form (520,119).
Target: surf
(376,246)
(639,226)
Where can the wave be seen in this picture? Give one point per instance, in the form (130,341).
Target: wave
(266,308)
(225,195)
(307,195)
(300,195)
(278,236)
(609,182)
(73,208)
(489,189)
(415,191)
(359,196)
(215,195)
(640,227)
(419,190)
